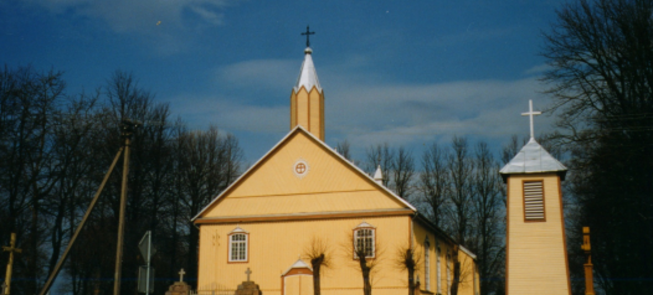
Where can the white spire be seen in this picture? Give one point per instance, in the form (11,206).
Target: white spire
(307,74)
(378,175)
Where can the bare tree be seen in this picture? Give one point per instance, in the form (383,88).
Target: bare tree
(320,257)
(344,149)
(366,259)
(409,259)
(382,155)
(487,217)
(601,80)
(403,168)
(434,182)
(460,168)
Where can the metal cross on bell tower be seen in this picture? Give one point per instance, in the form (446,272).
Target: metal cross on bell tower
(530,113)
(308,33)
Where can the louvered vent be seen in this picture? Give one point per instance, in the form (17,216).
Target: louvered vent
(533,201)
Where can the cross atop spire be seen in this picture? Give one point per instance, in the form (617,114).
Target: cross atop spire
(308,33)
(530,113)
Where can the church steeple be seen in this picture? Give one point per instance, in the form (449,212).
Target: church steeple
(307,99)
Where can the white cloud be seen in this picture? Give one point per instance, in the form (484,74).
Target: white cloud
(141,16)
(269,73)
(538,69)
(367,113)
(408,114)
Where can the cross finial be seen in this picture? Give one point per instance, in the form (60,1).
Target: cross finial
(307,34)
(248,272)
(530,113)
(181,275)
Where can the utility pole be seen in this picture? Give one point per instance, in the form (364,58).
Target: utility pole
(126,134)
(586,247)
(11,249)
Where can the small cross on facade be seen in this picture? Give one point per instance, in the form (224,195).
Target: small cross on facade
(181,275)
(530,113)
(307,34)
(248,272)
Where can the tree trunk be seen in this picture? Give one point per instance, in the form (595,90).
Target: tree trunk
(456,273)
(317,263)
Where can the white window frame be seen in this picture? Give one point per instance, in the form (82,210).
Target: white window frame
(438,267)
(364,226)
(242,245)
(449,272)
(427,263)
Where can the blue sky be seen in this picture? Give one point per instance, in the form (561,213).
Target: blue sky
(402,72)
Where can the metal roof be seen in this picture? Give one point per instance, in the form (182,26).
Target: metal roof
(533,158)
(307,74)
(298,264)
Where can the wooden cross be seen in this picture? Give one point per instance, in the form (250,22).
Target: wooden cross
(587,248)
(530,113)
(307,34)
(248,272)
(11,249)
(181,275)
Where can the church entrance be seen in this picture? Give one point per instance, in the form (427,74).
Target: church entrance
(297,280)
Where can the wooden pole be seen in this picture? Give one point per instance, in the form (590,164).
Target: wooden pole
(57,268)
(11,249)
(126,134)
(586,247)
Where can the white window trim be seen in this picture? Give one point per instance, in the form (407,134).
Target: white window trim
(449,270)
(438,267)
(365,226)
(427,263)
(235,232)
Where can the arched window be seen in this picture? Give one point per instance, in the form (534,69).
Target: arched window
(427,263)
(238,245)
(364,240)
(438,266)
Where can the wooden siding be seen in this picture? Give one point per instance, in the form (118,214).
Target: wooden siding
(536,251)
(328,186)
(468,265)
(275,246)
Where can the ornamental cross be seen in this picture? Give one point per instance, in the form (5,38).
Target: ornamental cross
(248,272)
(530,113)
(181,275)
(307,34)
(11,249)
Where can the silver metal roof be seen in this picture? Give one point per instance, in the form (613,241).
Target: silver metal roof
(532,158)
(307,74)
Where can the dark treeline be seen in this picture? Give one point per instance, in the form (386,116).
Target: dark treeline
(601,77)
(55,148)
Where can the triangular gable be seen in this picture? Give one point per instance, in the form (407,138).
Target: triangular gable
(331,183)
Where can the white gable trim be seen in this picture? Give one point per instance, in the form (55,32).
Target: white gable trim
(472,255)
(298,264)
(299,128)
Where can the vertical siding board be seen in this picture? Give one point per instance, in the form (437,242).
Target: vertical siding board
(536,253)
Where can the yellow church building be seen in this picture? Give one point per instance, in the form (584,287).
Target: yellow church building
(303,192)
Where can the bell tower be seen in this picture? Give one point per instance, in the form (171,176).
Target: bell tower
(307,97)
(536,252)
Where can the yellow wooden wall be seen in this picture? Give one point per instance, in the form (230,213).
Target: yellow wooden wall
(536,251)
(275,246)
(329,186)
(468,265)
